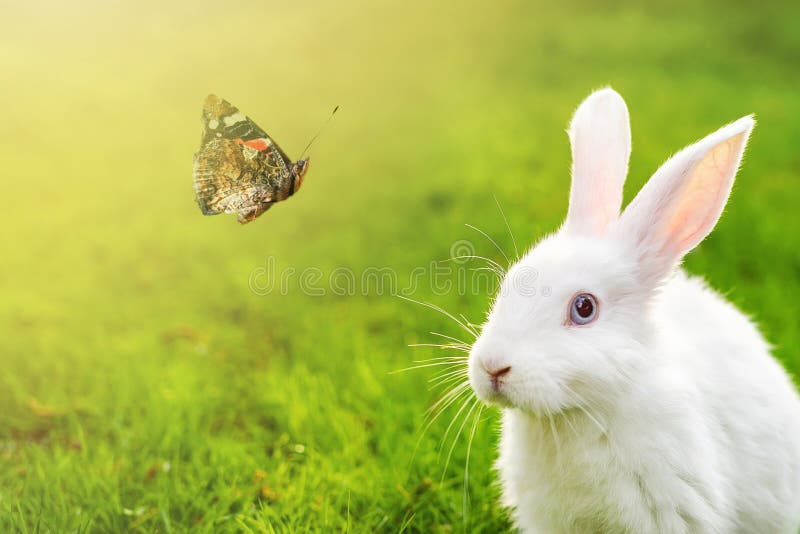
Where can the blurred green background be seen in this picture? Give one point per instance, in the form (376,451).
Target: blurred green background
(145,387)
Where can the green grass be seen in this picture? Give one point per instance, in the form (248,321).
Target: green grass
(145,387)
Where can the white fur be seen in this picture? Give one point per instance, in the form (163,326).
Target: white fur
(601,146)
(667,413)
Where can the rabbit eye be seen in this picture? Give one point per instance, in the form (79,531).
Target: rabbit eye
(583,309)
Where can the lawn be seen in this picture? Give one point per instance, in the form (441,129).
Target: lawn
(151,378)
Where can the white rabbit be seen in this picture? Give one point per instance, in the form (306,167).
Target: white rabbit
(636,399)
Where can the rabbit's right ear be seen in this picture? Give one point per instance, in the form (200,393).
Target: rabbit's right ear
(600,135)
(681,203)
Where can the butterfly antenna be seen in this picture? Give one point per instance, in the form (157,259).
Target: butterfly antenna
(319,132)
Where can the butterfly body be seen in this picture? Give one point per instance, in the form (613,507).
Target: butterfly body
(239,168)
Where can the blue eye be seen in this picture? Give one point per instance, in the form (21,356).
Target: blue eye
(583,309)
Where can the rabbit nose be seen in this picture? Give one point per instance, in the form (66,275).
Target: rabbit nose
(495,367)
(499,372)
(496,373)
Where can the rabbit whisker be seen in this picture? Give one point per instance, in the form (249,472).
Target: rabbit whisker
(439,406)
(475,403)
(589,403)
(476,257)
(455,358)
(508,261)
(448,379)
(469,324)
(426,365)
(441,311)
(497,273)
(430,417)
(465,502)
(445,377)
(555,434)
(462,348)
(446,383)
(469,401)
(450,382)
(449,337)
(508,226)
(580,401)
(452,396)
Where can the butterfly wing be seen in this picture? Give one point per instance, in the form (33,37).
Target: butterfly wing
(239,168)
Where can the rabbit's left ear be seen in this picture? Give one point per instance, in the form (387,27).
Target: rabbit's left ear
(600,135)
(679,206)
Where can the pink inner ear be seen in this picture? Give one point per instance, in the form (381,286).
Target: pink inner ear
(703,197)
(596,192)
(592,211)
(607,196)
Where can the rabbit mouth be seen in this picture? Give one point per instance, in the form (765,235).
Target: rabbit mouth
(534,399)
(497,397)
(493,393)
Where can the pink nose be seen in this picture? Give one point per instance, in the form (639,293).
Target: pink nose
(498,373)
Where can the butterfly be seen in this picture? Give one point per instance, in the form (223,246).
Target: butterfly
(239,168)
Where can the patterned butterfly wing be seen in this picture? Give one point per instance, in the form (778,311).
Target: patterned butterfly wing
(239,168)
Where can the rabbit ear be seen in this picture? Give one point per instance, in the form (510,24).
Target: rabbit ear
(600,135)
(682,202)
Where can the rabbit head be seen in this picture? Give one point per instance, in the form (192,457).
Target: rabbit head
(572,321)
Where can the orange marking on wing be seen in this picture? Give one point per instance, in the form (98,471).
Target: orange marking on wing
(258,144)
